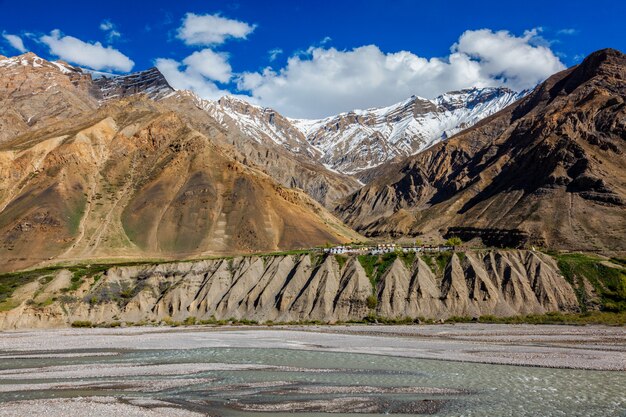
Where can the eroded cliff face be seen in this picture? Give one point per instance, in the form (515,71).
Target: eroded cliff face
(291,288)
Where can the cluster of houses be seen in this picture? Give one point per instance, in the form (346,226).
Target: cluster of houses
(384,248)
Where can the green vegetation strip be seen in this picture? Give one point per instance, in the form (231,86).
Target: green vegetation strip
(375,266)
(608,282)
(572,319)
(10,282)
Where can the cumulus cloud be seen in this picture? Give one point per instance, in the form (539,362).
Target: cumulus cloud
(210,64)
(204,69)
(326,81)
(193,75)
(110,29)
(92,55)
(15,41)
(518,61)
(210,29)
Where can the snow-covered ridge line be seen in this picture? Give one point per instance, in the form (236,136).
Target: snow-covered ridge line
(446,100)
(359,140)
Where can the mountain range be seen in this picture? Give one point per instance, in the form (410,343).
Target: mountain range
(359,140)
(103,166)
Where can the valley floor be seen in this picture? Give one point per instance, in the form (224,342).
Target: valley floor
(232,371)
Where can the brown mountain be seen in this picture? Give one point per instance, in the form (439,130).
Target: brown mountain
(292,166)
(131,177)
(550,168)
(36,93)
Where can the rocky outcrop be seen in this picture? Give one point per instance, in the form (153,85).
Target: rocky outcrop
(149,82)
(304,287)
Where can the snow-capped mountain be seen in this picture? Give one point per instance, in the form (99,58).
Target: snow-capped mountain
(262,124)
(361,139)
(349,142)
(355,141)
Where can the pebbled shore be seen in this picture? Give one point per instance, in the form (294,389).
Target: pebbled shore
(94,407)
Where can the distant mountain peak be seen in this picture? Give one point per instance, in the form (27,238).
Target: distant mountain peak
(30,59)
(359,140)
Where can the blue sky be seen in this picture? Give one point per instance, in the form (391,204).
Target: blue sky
(316,58)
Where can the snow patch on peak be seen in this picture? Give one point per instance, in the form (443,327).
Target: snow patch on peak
(262,124)
(29,59)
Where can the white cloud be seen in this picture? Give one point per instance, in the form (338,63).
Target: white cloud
(567,31)
(111,30)
(210,64)
(106,25)
(198,72)
(92,55)
(518,61)
(189,79)
(273,53)
(211,29)
(326,81)
(201,70)
(15,41)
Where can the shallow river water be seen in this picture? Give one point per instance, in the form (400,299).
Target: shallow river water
(251,382)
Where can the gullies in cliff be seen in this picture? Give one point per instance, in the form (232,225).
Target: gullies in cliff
(289,288)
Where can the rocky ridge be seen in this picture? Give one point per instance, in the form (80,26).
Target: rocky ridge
(150,82)
(274,145)
(307,287)
(359,140)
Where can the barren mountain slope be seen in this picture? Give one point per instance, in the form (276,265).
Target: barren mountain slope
(35,92)
(553,165)
(292,166)
(297,153)
(135,180)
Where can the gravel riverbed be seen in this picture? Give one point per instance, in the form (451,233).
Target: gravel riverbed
(210,371)
(575,347)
